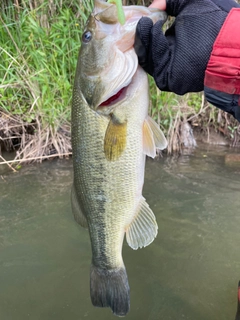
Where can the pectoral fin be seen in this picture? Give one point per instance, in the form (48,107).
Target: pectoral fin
(149,147)
(153,137)
(143,229)
(158,135)
(115,139)
(76,210)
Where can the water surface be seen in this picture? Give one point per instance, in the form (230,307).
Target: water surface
(190,271)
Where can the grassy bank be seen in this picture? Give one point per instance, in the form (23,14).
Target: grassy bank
(39,44)
(39,48)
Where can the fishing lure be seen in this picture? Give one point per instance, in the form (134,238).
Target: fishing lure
(120,12)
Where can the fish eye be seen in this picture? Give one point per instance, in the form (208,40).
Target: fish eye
(87,36)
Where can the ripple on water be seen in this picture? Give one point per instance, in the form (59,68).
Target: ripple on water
(190,271)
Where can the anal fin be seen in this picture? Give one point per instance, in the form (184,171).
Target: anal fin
(76,210)
(143,229)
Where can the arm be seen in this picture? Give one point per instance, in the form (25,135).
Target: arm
(178,58)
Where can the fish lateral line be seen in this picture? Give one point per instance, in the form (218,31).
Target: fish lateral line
(120,12)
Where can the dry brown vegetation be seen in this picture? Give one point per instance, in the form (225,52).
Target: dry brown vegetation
(38,53)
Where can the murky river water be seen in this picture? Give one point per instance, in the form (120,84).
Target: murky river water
(190,271)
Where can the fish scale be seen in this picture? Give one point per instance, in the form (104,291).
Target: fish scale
(118,181)
(110,142)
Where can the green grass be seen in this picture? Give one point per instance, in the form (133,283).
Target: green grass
(38,61)
(161,105)
(38,54)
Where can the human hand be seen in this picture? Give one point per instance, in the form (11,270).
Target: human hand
(159,4)
(177,59)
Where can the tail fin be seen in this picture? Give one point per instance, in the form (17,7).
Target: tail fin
(110,288)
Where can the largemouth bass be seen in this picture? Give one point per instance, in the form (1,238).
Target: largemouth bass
(111,136)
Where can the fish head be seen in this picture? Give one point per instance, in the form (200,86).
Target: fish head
(107,61)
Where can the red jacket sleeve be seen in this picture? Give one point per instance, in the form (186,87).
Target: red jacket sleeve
(223,69)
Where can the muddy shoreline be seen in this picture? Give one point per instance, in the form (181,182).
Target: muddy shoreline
(21,142)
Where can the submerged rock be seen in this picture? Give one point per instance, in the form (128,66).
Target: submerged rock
(232,159)
(211,137)
(187,137)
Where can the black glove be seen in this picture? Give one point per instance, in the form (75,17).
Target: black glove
(178,59)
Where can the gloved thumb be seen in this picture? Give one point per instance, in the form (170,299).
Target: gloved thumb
(142,43)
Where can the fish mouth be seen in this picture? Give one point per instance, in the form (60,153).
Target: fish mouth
(121,75)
